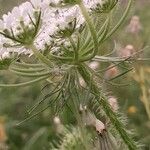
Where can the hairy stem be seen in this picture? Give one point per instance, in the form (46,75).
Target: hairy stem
(102,100)
(76,110)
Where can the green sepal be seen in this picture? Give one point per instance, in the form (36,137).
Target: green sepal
(5,63)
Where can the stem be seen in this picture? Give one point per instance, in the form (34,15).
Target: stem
(24,83)
(30,70)
(102,100)
(76,110)
(91,28)
(101,35)
(110,33)
(35,74)
(51,56)
(40,56)
(120,21)
(22,64)
(74,48)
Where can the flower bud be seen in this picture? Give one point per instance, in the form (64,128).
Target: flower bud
(100,127)
(126,52)
(111,72)
(90,119)
(113,103)
(57,120)
(58,124)
(134,26)
(94,65)
(82,82)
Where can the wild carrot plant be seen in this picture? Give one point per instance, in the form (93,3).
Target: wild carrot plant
(59,41)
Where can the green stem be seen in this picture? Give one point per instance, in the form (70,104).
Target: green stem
(40,56)
(25,65)
(35,74)
(101,34)
(120,21)
(51,56)
(105,37)
(24,83)
(76,103)
(102,100)
(30,70)
(91,28)
(74,48)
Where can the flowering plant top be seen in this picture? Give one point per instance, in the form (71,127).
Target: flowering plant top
(60,37)
(44,23)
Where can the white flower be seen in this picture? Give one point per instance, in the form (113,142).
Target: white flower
(5,55)
(56,24)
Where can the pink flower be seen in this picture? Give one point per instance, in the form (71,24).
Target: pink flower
(127,51)
(111,73)
(134,25)
(113,103)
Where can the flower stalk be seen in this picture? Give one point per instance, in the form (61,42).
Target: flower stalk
(102,100)
(91,28)
(39,55)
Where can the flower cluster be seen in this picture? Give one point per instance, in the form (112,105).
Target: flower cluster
(44,24)
(57,26)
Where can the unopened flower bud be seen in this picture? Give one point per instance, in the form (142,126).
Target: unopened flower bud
(57,120)
(113,103)
(134,26)
(90,119)
(111,73)
(126,52)
(82,82)
(100,127)
(58,124)
(94,65)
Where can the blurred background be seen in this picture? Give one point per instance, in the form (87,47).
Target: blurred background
(134,99)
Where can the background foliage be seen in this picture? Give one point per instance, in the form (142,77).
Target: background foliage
(38,133)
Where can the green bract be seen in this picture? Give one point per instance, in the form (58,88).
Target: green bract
(106,6)
(72,2)
(26,33)
(5,63)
